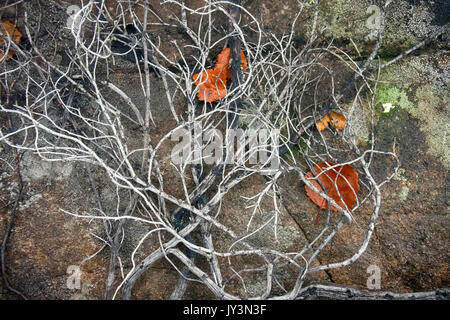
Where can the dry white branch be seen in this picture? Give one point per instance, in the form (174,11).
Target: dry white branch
(282,89)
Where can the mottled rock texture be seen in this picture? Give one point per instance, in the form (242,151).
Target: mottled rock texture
(411,242)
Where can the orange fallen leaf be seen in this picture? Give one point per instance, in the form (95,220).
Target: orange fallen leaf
(243,61)
(211,85)
(212,82)
(322,124)
(340,184)
(336,120)
(14,34)
(223,62)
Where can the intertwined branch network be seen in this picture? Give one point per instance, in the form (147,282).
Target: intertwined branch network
(73,111)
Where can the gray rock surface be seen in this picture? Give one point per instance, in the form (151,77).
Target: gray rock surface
(411,242)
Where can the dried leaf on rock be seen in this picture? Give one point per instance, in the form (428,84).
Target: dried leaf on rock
(212,82)
(14,34)
(223,63)
(211,85)
(340,183)
(322,124)
(337,120)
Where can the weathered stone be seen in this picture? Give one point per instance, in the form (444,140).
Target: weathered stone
(410,244)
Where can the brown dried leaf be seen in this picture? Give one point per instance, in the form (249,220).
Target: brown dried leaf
(336,120)
(212,82)
(340,183)
(211,85)
(14,34)
(322,124)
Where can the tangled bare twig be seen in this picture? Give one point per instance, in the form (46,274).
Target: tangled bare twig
(285,91)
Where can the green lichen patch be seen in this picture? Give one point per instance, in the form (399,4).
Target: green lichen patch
(433,109)
(400,175)
(403,194)
(404,191)
(392,94)
(420,86)
(406,23)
